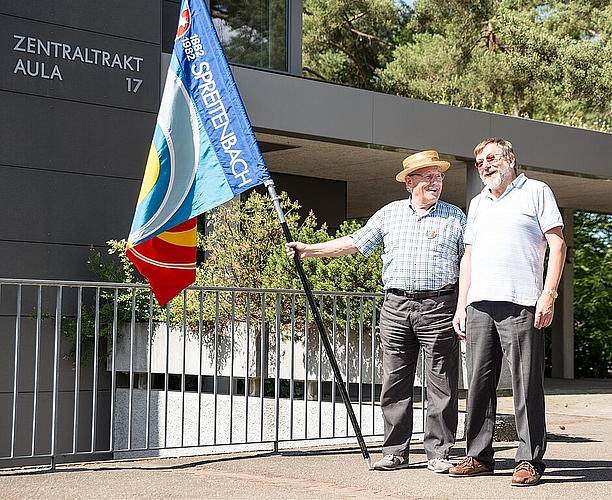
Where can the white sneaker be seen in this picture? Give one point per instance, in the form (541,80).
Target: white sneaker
(391,462)
(439,465)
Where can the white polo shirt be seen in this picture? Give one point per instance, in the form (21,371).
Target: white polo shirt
(508,243)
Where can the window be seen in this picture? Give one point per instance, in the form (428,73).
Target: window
(252,32)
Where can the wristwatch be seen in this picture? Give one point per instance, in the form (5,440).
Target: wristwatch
(552,293)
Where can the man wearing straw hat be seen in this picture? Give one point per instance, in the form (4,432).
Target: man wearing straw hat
(422,240)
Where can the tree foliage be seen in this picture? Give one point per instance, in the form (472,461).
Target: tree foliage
(246,249)
(252,32)
(346,41)
(593,294)
(545,60)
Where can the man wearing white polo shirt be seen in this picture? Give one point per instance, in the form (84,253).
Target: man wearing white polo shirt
(504,303)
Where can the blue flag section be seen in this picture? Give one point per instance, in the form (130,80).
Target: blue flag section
(203,153)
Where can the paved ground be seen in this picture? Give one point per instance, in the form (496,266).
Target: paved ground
(579,458)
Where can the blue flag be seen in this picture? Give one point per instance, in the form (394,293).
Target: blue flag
(203,153)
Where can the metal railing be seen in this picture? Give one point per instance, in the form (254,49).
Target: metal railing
(94,370)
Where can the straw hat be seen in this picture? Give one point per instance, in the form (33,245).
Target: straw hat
(421,160)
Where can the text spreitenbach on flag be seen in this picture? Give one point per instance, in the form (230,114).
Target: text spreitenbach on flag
(203,153)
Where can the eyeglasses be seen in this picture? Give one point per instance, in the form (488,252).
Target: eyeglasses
(491,160)
(429,177)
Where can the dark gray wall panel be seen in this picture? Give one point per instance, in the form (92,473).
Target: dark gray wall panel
(61,135)
(55,207)
(326,198)
(170,15)
(135,19)
(47,260)
(49,60)
(73,150)
(28,357)
(65,402)
(65,416)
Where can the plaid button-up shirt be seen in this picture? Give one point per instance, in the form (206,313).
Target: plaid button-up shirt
(420,252)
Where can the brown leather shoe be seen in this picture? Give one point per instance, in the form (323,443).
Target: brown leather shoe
(468,467)
(525,474)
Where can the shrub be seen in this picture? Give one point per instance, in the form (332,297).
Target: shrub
(245,249)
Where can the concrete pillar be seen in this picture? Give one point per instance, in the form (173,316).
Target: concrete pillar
(562,357)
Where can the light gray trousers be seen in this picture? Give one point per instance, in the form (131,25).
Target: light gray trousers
(496,329)
(405,326)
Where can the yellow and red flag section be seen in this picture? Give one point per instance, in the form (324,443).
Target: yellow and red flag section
(203,153)
(168,260)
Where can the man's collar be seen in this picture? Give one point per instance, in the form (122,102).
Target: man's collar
(517,182)
(429,210)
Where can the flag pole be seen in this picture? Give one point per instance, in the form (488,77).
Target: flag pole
(319,321)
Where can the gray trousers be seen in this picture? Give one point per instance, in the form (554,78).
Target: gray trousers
(405,326)
(496,329)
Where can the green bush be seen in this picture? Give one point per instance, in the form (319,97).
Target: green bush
(592,295)
(246,249)
(126,299)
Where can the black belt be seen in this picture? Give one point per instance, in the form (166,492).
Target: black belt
(422,295)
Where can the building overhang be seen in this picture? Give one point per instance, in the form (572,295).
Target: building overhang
(329,131)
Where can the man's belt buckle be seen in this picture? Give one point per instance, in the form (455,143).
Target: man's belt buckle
(421,295)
